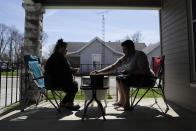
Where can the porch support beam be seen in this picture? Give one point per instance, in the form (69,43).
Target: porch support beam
(101,4)
(33,28)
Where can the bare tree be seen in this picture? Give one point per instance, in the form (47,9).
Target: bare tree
(44,37)
(11,41)
(4,39)
(16,41)
(48,50)
(136,37)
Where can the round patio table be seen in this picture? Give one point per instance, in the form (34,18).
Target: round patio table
(94,97)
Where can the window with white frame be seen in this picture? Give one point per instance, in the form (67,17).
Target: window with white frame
(96,60)
(193,25)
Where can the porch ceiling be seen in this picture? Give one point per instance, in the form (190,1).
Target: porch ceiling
(121,4)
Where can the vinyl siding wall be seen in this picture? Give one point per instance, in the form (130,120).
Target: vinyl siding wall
(96,48)
(175,47)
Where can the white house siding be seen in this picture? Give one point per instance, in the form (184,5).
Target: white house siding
(95,48)
(75,61)
(176,49)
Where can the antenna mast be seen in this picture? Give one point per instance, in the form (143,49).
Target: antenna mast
(103,27)
(103,23)
(103,34)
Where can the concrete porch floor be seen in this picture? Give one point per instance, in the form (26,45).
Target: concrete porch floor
(144,117)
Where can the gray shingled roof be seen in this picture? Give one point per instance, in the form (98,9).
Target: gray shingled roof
(117,46)
(150,48)
(74,46)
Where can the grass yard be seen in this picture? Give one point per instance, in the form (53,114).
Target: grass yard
(148,95)
(16,105)
(9,73)
(79,95)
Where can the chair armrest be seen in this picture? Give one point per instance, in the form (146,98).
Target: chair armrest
(38,78)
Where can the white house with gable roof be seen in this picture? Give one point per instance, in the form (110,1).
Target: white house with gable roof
(95,54)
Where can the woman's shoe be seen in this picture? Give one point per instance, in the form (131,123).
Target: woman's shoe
(72,107)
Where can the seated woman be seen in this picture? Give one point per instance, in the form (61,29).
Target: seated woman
(136,67)
(59,75)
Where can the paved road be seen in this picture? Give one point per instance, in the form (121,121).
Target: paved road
(14,90)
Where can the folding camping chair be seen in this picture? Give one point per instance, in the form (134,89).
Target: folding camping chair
(158,68)
(33,68)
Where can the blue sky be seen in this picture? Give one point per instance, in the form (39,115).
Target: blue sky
(84,25)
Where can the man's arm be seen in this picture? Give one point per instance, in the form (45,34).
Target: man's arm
(108,68)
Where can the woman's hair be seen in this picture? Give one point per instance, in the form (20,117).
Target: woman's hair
(60,44)
(129,45)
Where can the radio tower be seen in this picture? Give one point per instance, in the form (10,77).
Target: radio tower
(103,23)
(103,34)
(103,27)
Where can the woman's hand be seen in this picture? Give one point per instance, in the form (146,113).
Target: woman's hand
(94,72)
(77,69)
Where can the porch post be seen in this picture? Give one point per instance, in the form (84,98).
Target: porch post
(33,28)
(32,45)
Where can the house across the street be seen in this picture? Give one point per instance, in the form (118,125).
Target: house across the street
(153,50)
(96,54)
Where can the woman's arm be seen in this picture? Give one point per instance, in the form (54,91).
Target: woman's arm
(74,70)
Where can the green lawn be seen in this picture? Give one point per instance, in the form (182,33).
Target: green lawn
(148,95)
(9,73)
(79,95)
(16,105)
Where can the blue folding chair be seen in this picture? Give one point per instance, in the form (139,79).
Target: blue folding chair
(33,68)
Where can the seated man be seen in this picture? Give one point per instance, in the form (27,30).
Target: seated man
(136,67)
(59,75)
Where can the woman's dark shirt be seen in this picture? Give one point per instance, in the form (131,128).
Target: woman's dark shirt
(58,71)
